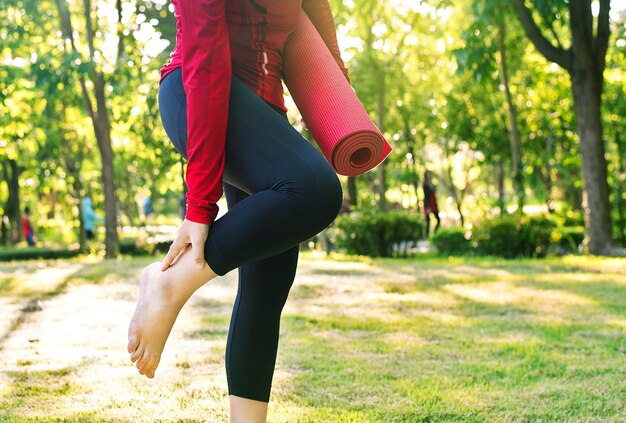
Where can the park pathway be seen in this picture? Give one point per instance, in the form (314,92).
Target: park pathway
(63,341)
(72,338)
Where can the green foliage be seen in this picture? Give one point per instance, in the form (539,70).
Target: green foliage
(377,234)
(568,238)
(37,253)
(568,218)
(513,236)
(139,247)
(426,71)
(537,233)
(451,241)
(499,237)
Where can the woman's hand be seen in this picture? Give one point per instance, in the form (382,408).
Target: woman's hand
(189,233)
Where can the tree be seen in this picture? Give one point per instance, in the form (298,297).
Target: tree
(99,117)
(376,71)
(585,62)
(492,53)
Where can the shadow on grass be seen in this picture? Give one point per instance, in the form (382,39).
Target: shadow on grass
(31,395)
(604,291)
(521,336)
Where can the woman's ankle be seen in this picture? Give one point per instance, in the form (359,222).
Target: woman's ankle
(243,410)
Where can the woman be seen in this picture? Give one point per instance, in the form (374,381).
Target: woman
(27,228)
(221,104)
(430,201)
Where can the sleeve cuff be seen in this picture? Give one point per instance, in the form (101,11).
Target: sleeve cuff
(204,215)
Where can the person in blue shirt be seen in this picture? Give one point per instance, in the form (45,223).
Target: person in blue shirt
(147,208)
(89,217)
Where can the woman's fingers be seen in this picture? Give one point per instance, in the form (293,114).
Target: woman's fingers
(198,254)
(175,249)
(189,233)
(198,233)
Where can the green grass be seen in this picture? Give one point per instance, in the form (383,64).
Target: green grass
(364,340)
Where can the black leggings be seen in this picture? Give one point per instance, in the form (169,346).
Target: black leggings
(280,192)
(428,222)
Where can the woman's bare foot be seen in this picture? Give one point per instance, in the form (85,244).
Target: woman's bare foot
(162,294)
(155,314)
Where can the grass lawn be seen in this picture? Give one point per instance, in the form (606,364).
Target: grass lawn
(362,340)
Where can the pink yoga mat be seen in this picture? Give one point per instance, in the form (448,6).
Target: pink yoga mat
(329,106)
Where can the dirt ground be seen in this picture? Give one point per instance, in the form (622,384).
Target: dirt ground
(63,339)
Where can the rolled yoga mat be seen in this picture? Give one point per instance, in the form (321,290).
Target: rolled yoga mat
(329,106)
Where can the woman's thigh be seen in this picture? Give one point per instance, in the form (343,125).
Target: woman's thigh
(262,148)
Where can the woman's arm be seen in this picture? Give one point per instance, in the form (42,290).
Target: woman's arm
(206,73)
(321,16)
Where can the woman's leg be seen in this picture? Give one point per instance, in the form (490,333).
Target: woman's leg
(293,195)
(254,327)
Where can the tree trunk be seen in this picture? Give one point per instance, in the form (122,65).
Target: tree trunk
(501,185)
(620,188)
(120,33)
(353,193)
(78,191)
(102,130)
(100,121)
(458,208)
(457,194)
(548,176)
(515,139)
(129,207)
(596,207)
(380,113)
(77,187)
(4,231)
(103,135)
(72,161)
(413,163)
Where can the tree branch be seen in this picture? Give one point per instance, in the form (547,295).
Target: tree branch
(557,55)
(601,41)
(550,26)
(68,34)
(582,32)
(369,52)
(66,23)
(89,27)
(120,33)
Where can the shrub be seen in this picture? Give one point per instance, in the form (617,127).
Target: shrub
(537,231)
(137,247)
(451,241)
(499,237)
(568,218)
(37,253)
(514,236)
(375,233)
(569,238)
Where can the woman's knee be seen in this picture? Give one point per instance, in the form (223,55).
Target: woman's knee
(335,196)
(324,195)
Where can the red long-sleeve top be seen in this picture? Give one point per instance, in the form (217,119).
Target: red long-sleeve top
(215,38)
